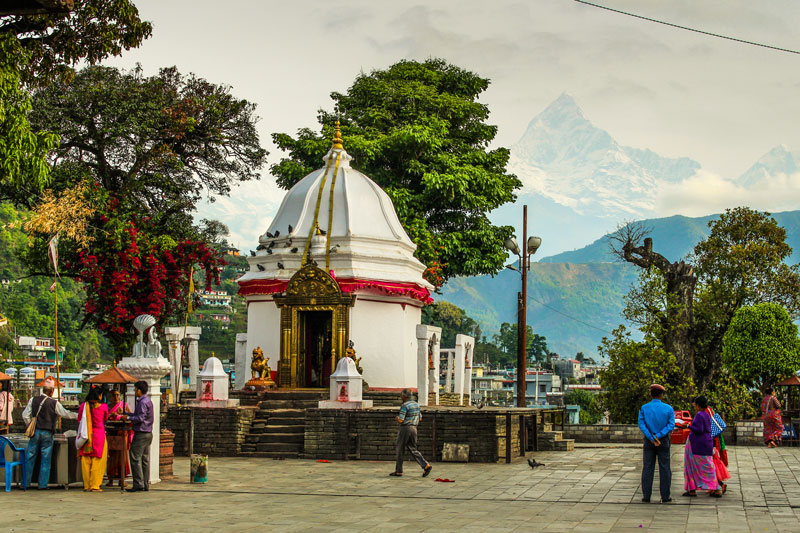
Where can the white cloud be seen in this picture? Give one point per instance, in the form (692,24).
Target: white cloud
(706,193)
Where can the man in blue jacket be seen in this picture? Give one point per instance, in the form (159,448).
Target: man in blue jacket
(656,422)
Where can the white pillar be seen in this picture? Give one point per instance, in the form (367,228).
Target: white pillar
(468,355)
(151,370)
(240,366)
(194,360)
(434,373)
(425,359)
(461,363)
(176,369)
(448,381)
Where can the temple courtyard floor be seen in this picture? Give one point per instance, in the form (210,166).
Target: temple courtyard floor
(590,489)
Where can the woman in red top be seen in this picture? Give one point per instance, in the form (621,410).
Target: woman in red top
(95,452)
(115,439)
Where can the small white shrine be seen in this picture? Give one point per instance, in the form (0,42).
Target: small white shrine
(335,265)
(212,386)
(346,388)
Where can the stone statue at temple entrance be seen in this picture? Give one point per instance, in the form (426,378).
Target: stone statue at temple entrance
(259,366)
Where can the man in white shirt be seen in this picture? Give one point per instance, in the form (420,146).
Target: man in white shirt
(46,409)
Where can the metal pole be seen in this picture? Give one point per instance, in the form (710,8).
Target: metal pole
(191,432)
(521,318)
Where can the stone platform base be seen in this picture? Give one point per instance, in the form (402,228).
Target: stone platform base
(214,404)
(329,404)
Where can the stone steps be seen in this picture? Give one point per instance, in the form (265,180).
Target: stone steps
(288,404)
(277,432)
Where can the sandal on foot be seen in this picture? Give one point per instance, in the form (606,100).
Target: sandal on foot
(396,474)
(427,470)
(716,494)
(724,487)
(690,494)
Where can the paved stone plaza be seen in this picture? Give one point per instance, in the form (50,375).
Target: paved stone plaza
(590,489)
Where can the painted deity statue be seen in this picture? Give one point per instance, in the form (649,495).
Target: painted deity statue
(351,353)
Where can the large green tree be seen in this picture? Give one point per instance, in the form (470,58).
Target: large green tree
(419,131)
(687,306)
(55,40)
(139,152)
(507,340)
(452,319)
(633,366)
(37,46)
(761,345)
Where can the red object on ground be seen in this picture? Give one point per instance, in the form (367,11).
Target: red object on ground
(445,480)
(680,436)
(323,461)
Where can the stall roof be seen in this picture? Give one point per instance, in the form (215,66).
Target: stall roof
(4,377)
(794,380)
(112,376)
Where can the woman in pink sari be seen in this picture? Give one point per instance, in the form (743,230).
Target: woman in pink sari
(699,472)
(773,424)
(115,442)
(95,452)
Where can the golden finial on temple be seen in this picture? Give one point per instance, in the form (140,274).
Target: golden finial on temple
(337,138)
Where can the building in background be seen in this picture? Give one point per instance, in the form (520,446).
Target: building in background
(215,298)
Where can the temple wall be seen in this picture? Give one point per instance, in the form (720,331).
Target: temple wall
(263,329)
(384,334)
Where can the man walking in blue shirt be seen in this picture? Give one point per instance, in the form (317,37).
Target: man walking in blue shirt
(656,422)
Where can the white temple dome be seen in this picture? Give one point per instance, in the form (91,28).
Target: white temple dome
(360,233)
(360,207)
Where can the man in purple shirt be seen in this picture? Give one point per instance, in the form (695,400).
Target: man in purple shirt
(142,419)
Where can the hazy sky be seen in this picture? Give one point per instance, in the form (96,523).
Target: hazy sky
(678,93)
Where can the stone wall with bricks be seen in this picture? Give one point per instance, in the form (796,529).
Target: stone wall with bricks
(372,433)
(598,433)
(747,433)
(217,432)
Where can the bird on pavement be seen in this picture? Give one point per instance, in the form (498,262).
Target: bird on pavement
(533,464)
(261,268)
(280,266)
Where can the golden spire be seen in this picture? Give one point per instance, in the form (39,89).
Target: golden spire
(337,138)
(317,231)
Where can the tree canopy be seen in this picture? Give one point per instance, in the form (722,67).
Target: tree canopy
(135,156)
(92,31)
(761,345)
(418,130)
(687,306)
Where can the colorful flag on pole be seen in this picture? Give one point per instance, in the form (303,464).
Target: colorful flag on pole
(52,252)
(190,309)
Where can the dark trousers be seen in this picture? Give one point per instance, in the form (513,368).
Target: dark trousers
(140,459)
(651,453)
(407,438)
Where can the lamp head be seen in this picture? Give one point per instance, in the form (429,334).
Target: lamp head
(533,244)
(511,245)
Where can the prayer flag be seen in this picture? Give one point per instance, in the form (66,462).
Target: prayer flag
(52,252)
(190,309)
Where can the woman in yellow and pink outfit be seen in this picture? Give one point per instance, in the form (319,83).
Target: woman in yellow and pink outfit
(94,453)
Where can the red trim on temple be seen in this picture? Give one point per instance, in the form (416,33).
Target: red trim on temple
(272,286)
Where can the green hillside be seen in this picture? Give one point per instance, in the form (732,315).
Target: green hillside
(576,297)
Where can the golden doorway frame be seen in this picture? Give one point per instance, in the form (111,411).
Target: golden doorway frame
(310,289)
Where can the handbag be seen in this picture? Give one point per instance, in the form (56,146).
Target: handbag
(31,429)
(83,428)
(717,425)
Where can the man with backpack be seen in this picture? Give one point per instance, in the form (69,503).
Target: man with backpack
(46,410)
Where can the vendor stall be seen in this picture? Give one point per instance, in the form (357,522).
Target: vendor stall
(118,432)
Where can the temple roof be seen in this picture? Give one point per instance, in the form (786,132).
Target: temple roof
(355,228)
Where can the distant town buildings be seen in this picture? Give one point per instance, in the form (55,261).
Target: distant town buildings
(215,298)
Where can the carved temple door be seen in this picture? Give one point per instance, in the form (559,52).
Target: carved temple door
(315,323)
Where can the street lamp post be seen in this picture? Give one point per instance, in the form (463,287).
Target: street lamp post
(529,247)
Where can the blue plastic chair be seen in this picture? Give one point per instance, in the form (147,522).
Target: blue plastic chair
(9,465)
